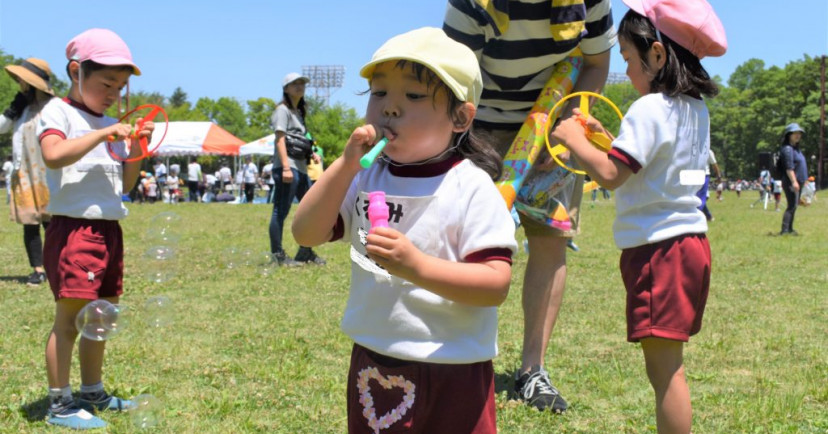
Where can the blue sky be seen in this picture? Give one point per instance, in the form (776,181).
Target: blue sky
(244,48)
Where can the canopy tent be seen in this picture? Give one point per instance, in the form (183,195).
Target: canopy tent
(263,146)
(195,138)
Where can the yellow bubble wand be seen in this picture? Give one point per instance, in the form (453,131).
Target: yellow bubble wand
(597,138)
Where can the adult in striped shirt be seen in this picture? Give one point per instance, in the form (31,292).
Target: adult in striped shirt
(518,44)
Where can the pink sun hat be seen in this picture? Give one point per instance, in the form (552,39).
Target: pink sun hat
(100,46)
(691,23)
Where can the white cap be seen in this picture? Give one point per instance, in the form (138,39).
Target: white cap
(293,76)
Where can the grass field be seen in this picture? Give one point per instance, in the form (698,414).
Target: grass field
(256,352)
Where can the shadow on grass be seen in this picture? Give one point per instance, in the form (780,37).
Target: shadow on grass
(505,382)
(36,411)
(18,279)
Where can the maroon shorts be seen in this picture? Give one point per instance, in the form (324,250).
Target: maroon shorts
(84,258)
(389,395)
(667,285)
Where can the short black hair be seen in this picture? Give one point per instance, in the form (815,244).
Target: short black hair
(90,66)
(682,73)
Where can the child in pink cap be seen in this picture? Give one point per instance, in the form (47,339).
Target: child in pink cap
(83,251)
(656,165)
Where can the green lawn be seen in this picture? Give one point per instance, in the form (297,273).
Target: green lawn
(251,351)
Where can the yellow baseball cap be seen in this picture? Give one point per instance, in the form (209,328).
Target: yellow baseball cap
(453,62)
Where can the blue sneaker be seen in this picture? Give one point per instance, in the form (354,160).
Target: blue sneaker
(103,401)
(69,415)
(571,244)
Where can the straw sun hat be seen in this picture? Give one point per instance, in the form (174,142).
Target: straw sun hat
(34,71)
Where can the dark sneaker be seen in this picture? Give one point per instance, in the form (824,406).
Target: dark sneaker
(102,401)
(67,414)
(535,389)
(36,278)
(308,256)
(571,244)
(285,261)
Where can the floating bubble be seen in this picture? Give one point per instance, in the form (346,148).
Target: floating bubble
(247,258)
(158,276)
(230,257)
(160,253)
(267,263)
(165,228)
(158,311)
(147,411)
(100,320)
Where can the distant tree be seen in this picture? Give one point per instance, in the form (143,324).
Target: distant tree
(178,98)
(331,127)
(259,112)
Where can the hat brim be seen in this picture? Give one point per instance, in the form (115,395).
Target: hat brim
(368,70)
(636,5)
(117,61)
(19,72)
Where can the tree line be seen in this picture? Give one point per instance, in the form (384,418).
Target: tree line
(746,118)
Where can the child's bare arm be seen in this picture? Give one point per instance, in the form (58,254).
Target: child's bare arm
(476,284)
(608,172)
(58,152)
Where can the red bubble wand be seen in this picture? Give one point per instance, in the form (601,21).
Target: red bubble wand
(154,111)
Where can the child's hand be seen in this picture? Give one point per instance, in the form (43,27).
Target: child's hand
(393,251)
(360,142)
(145,130)
(117,132)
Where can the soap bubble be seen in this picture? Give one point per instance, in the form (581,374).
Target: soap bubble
(147,411)
(158,311)
(165,228)
(267,263)
(100,320)
(160,253)
(230,257)
(158,276)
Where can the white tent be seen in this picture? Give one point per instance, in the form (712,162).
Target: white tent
(263,146)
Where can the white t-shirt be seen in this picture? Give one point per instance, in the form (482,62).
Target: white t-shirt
(267,173)
(225,175)
(451,216)
(90,188)
(250,173)
(194,172)
(8,167)
(669,138)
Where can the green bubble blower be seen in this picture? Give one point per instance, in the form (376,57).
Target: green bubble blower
(368,159)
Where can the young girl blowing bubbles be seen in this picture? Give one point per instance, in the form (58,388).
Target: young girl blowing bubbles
(424,291)
(657,165)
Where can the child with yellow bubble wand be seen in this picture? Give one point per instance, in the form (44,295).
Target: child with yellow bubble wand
(656,165)
(83,252)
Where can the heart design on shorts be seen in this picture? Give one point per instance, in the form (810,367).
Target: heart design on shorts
(367,400)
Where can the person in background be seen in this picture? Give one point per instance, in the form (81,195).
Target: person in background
(518,45)
(194,178)
(704,193)
(764,182)
(250,177)
(173,186)
(8,168)
(777,192)
(26,172)
(160,172)
(794,174)
(290,170)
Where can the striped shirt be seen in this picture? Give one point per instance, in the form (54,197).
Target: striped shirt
(517,62)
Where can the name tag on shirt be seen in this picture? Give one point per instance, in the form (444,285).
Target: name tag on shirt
(691,177)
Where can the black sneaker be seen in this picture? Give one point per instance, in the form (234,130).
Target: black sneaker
(535,389)
(36,278)
(284,260)
(100,401)
(308,256)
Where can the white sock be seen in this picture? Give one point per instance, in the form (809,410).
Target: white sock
(94,388)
